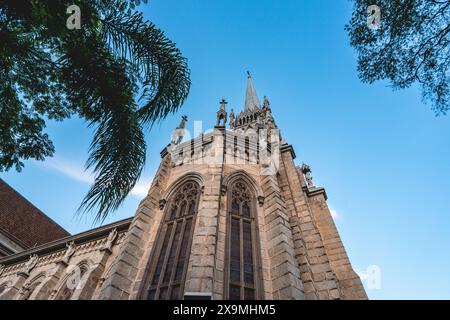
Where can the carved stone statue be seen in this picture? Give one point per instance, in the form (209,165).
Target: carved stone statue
(110,240)
(71,248)
(31,263)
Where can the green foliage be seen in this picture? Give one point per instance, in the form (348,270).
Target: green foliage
(118,72)
(411,46)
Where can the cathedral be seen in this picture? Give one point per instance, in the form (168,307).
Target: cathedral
(230,215)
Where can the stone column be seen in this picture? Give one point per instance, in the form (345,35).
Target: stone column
(317,275)
(285,273)
(13,291)
(349,281)
(48,289)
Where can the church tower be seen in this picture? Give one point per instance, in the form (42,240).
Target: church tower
(229,215)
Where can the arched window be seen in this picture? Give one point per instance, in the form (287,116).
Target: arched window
(242,272)
(71,282)
(169,265)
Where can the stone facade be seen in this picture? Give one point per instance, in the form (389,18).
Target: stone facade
(299,254)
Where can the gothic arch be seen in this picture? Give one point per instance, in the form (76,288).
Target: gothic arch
(241,174)
(31,287)
(193,176)
(167,268)
(69,283)
(243,263)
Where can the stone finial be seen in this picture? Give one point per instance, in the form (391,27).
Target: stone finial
(222,114)
(110,240)
(269,122)
(178,134)
(223,104)
(306,170)
(182,124)
(71,248)
(266,103)
(31,263)
(231,119)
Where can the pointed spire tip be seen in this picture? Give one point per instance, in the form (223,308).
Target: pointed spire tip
(251,98)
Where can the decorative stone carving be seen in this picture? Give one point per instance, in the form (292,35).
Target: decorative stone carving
(30,264)
(100,281)
(231,118)
(268,120)
(222,114)
(110,240)
(25,288)
(162,203)
(53,294)
(306,170)
(178,134)
(261,200)
(223,189)
(71,248)
(266,103)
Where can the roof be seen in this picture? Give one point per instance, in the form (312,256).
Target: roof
(60,244)
(23,221)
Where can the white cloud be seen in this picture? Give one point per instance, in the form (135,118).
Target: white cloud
(69,169)
(77,172)
(334,213)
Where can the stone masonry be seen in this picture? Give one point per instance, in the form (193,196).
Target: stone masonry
(299,252)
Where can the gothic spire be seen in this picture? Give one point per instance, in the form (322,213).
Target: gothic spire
(251,98)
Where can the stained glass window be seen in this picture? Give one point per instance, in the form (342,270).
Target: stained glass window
(167,273)
(241,244)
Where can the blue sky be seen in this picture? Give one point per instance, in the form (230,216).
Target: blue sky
(381,155)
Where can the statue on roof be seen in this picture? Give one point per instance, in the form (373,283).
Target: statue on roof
(178,134)
(31,263)
(71,248)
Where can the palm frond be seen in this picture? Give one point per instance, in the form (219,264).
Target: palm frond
(117,155)
(160,65)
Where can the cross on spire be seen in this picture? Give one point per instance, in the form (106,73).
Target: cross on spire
(223,104)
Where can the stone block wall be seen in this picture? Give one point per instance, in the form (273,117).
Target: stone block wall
(299,252)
